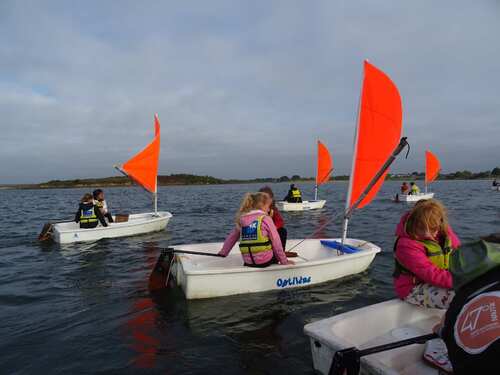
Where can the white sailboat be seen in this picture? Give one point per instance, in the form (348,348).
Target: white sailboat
(143,169)
(432,167)
(323,171)
(202,274)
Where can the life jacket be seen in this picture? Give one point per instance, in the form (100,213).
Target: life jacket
(252,241)
(296,193)
(99,204)
(88,215)
(415,189)
(437,254)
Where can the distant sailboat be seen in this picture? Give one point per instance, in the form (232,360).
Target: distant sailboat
(142,169)
(323,172)
(432,168)
(376,145)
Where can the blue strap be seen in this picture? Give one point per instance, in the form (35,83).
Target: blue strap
(338,246)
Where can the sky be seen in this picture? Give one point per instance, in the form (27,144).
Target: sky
(243,89)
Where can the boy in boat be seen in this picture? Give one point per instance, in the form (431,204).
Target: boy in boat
(100,202)
(414,189)
(88,214)
(260,243)
(294,195)
(471,327)
(276,216)
(422,250)
(405,189)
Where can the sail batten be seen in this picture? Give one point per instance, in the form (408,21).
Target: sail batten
(143,167)
(377,134)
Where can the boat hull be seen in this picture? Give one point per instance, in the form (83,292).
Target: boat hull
(415,197)
(495,188)
(137,224)
(209,277)
(374,325)
(303,206)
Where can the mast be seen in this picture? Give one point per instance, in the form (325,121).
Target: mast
(351,177)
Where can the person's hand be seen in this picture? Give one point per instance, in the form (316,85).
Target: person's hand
(290,263)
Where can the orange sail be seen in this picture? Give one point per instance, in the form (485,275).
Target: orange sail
(378,132)
(432,167)
(325,165)
(143,167)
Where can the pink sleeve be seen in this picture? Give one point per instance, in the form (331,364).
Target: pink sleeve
(229,242)
(412,256)
(270,228)
(455,241)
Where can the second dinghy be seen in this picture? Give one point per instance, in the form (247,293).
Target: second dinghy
(141,168)
(323,172)
(201,273)
(432,167)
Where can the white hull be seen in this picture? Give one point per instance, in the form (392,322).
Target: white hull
(137,224)
(207,277)
(495,188)
(305,205)
(415,197)
(374,325)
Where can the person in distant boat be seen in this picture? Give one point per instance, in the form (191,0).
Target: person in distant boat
(495,183)
(405,189)
(100,202)
(422,250)
(414,189)
(471,329)
(276,216)
(294,195)
(260,243)
(88,214)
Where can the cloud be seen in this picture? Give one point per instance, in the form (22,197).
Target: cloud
(242,89)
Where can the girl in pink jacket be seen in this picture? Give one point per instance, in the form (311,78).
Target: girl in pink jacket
(422,251)
(260,243)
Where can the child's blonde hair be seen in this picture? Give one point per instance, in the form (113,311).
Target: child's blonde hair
(427,216)
(87,197)
(251,201)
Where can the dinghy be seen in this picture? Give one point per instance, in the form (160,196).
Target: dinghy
(375,325)
(201,273)
(432,167)
(323,171)
(202,276)
(495,188)
(142,169)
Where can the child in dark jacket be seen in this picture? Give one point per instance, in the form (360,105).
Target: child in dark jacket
(88,214)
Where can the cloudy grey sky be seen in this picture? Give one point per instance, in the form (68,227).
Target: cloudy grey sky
(242,88)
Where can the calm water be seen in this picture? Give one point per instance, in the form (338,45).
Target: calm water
(86,308)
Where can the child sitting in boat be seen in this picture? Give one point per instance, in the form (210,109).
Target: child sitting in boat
(414,189)
(260,243)
(100,202)
(276,216)
(88,214)
(422,250)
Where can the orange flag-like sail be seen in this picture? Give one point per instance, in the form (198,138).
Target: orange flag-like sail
(432,167)
(325,165)
(378,132)
(143,167)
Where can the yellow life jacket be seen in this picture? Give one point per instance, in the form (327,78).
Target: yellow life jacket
(437,254)
(252,241)
(99,204)
(88,216)
(296,193)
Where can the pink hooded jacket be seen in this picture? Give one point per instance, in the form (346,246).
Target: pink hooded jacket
(412,255)
(268,230)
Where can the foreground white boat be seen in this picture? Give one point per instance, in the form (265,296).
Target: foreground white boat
(495,188)
(70,232)
(206,277)
(374,325)
(410,198)
(303,206)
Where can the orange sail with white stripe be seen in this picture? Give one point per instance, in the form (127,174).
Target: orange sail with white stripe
(143,167)
(377,135)
(432,167)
